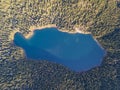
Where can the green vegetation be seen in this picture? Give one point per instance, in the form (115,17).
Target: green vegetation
(100,17)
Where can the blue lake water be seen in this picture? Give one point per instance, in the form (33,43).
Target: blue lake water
(79,52)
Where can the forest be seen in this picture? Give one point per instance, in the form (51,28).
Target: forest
(100,17)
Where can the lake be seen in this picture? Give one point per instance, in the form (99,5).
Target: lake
(79,52)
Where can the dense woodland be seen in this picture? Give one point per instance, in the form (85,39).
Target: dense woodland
(100,17)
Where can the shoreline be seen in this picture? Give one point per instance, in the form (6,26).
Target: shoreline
(32,28)
(12,33)
(77,30)
(49,26)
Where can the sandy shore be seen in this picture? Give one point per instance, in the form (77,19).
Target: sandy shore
(11,36)
(32,28)
(76,30)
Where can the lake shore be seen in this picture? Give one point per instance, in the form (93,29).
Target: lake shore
(76,30)
(32,28)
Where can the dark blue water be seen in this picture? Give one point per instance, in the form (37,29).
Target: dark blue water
(78,52)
